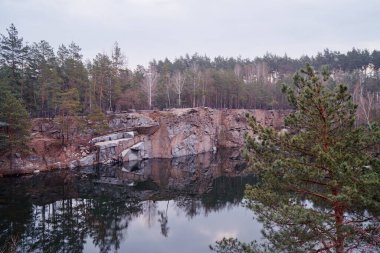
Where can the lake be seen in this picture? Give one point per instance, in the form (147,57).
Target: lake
(159,205)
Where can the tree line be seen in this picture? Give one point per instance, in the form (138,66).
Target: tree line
(37,81)
(53,83)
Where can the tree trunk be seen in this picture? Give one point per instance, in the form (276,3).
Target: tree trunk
(11,139)
(193,93)
(110,95)
(150,96)
(11,160)
(339,218)
(168,95)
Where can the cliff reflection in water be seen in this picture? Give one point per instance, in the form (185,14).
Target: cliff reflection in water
(91,210)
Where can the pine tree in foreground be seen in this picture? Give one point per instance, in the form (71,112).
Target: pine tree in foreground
(320,181)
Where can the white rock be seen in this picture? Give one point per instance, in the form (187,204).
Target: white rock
(138,147)
(87,160)
(73,164)
(125,152)
(112,137)
(132,156)
(109,144)
(131,184)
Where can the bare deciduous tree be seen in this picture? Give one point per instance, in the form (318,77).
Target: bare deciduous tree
(196,76)
(149,85)
(366,104)
(168,88)
(179,82)
(238,70)
(364,99)
(249,73)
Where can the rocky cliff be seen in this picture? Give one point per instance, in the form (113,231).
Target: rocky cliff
(143,135)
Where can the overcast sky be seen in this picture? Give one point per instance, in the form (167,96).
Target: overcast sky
(147,29)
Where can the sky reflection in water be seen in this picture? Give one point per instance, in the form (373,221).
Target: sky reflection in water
(185,234)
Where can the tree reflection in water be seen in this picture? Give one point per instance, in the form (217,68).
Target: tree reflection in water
(163,220)
(64,225)
(62,211)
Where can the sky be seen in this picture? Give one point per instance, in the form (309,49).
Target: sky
(155,29)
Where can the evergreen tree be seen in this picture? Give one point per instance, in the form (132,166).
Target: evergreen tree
(320,181)
(101,83)
(69,106)
(97,121)
(15,137)
(12,56)
(118,75)
(42,79)
(73,72)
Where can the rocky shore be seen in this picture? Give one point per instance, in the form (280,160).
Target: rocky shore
(139,136)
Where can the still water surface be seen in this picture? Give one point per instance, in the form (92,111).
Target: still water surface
(182,233)
(180,205)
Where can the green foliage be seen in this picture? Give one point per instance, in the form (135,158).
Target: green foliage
(98,121)
(43,79)
(15,137)
(69,106)
(232,245)
(72,70)
(69,103)
(12,56)
(319,176)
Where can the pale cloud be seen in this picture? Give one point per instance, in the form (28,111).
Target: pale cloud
(216,235)
(219,235)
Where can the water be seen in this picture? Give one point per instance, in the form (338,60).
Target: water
(180,205)
(166,227)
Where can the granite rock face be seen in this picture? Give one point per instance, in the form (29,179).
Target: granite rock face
(182,132)
(185,132)
(143,135)
(198,130)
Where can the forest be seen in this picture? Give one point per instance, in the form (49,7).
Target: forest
(50,83)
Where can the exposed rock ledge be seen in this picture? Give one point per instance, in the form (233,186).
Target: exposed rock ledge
(143,135)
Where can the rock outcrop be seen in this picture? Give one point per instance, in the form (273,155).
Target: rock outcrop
(197,130)
(176,133)
(144,135)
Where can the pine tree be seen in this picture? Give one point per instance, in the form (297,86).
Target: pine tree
(13,54)
(73,72)
(320,180)
(14,114)
(101,73)
(42,79)
(116,81)
(69,106)
(97,121)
